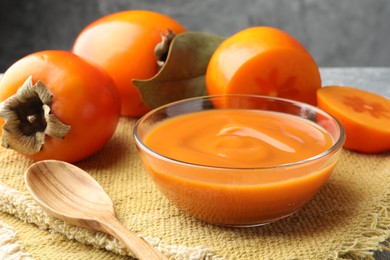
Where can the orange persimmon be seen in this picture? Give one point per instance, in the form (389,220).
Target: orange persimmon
(55,105)
(263,61)
(123,44)
(364,115)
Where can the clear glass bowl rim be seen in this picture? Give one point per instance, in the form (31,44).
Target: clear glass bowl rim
(333,149)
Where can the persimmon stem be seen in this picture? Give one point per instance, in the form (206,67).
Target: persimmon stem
(161,50)
(31,118)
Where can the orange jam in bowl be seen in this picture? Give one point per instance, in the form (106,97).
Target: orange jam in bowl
(239,160)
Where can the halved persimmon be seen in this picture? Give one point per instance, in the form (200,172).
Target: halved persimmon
(263,61)
(364,115)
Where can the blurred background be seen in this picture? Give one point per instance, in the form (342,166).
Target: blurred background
(338,33)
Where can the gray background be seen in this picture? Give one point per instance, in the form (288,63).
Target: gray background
(338,33)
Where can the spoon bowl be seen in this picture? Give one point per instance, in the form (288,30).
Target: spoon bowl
(72,195)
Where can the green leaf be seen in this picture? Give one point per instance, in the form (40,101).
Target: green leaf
(183,74)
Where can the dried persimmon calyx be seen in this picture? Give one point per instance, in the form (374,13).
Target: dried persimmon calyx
(28,119)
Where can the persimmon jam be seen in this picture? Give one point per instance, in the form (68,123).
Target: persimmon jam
(238,166)
(238,138)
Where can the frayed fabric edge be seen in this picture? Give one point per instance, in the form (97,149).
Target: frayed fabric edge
(9,246)
(26,209)
(374,235)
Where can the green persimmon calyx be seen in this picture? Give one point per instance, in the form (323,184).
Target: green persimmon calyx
(28,119)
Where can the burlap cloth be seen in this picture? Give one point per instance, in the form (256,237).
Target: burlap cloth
(348,218)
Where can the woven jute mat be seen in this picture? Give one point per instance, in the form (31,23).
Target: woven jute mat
(348,218)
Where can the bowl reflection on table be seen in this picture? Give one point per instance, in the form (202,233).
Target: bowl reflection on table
(239,196)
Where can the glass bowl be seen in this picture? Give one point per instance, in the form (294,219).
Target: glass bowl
(239,196)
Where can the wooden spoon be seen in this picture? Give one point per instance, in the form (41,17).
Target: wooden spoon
(69,193)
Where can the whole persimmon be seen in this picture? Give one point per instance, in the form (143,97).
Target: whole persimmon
(263,61)
(123,44)
(55,105)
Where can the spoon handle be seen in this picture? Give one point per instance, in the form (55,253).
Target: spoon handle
(140,248)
